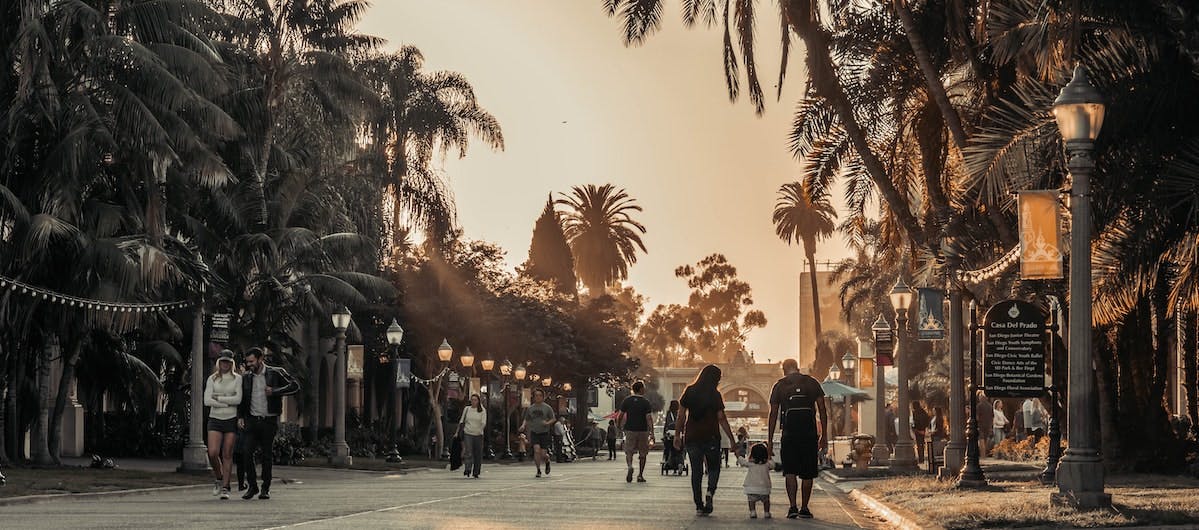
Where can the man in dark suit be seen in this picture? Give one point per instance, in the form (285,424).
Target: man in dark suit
(263,388)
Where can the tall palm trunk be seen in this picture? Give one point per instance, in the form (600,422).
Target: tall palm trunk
(810,251)
(4,386)
(60,401)
(1190,357)
(39,439)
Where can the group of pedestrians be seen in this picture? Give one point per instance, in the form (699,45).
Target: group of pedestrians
(244,408)
(697,423)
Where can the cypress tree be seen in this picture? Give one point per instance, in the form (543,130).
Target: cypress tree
(550,258)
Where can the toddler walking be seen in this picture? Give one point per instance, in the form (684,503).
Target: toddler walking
(757,479)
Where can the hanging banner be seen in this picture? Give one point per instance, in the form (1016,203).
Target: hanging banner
(930,323)
(404,373)
(865,373)
(1014,350)
(354,354)
(1040,238)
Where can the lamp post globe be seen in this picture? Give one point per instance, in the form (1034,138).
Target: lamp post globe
(849,361)
(445,351)
(520,372)
(341,318)
(395,334)
(901,295)
(1079,112)
(834,373)
(467,358)
(488,364)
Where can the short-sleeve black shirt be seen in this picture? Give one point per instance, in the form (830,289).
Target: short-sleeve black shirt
(785,386)
(635,408)
(703,416)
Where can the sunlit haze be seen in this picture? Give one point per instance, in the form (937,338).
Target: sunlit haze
(578,107)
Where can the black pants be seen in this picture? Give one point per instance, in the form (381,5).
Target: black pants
(611,448)
(704,456)
(260,436)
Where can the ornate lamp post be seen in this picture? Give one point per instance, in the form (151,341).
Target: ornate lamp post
(506,373)
(341,450)
(520,372)
(487,365)
(972,473)
(1079,112)
(904,458)
(445,352)
(880,329)
(1049,474)
(395,335)
(850,363)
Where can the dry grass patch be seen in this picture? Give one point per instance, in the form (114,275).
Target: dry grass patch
(32,481)
(1137,500)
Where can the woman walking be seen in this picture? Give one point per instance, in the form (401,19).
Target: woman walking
(701,415)
(669,427)
(474,419)
(222,394)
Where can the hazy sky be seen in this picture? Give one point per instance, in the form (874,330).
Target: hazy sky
(578,107)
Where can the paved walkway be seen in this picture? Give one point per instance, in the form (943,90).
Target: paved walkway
(578,495)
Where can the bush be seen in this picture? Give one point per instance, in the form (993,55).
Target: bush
(289,445)
(1022,451)
(126,434)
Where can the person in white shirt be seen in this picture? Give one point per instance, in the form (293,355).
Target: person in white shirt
(222,394)
(757,478)
(999,423)
(473,424)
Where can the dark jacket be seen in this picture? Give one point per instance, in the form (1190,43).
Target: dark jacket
(278,379)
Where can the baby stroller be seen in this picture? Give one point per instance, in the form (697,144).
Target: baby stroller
(673,460)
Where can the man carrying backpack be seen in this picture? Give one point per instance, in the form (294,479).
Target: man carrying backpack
(798,397)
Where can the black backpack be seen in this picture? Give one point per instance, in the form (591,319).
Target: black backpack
(799,413)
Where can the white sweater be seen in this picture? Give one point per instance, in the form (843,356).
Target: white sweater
(757,478)
(473,421)
(223,396)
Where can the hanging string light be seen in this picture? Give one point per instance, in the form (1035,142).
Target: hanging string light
(36,292)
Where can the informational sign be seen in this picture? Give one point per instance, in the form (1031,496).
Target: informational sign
(884,347)
(1040,237)
(403,373)
(219,327)
(354,354)
(930,323)
(1014,336)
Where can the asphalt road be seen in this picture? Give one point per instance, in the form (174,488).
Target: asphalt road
(578,495)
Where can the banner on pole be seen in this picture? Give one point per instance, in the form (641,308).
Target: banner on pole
(1040,237)
(404,373)
(931,314)
(354,355)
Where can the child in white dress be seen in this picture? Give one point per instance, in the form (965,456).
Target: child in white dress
(757,479)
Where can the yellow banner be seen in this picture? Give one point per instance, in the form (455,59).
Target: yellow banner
(1040,239)
(865,373)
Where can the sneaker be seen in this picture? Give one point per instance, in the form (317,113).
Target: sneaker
(547,469)
(216,488)
(538,473)
(804,513)
(793,513)
(629,476)
(250,493)
(753,514)
(224,494)
(265,495)
(640,478)
(708,504)
(699,512)
(766,515)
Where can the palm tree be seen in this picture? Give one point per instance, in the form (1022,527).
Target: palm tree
(800,217)
(417,115)
(603,235)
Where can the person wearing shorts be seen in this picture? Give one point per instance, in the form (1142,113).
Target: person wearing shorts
(222,394)
(636,416)
(794,403)
(539,422)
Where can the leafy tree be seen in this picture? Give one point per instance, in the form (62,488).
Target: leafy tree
(550,259)
(603,235)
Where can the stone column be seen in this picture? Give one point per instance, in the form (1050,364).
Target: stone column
(195,453)
(71,434)
(955,451)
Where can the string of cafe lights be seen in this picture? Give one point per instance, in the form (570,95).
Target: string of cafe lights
(993,270)
(41,293)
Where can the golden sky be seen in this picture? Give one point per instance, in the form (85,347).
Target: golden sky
(577,107)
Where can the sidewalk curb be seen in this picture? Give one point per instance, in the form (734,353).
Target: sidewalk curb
(894,515)
(33,499)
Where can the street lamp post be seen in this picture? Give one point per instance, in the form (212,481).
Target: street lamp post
(487,365)
(1049,474)
(445,352)
(341,450)
(395,335)
(881,452)
(904,458)
(972,472)
(955,450)
(1079,112)
(850,363)
(520,372)
(506,372)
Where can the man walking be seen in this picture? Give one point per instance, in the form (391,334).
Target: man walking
(798,397)
(539,423)
(636,417)
(263,388)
